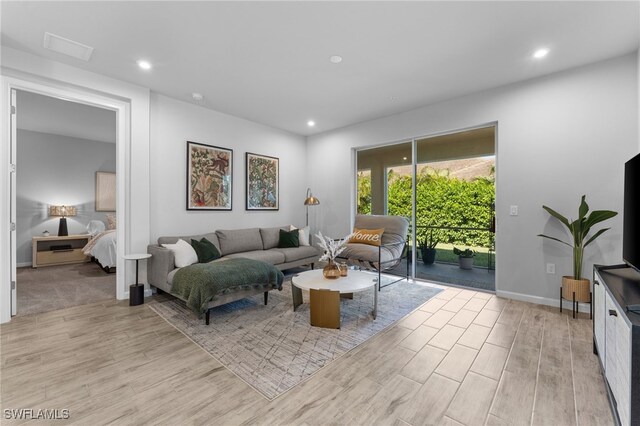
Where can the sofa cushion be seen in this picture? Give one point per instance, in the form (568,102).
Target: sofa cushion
(288,239)
(183,253)
(297,253)
(239,240)
(205,250)
(304,236)
(271,236)
(268,256)
(172,240)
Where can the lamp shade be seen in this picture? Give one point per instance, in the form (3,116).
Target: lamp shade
(311,200)
(63,211)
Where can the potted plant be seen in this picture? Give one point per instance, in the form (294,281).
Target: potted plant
(428,248)
(579,230)
(465,257)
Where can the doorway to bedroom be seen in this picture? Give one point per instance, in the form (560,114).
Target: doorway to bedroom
(65,186)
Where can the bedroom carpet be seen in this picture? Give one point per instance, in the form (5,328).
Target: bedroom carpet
(56,287)
(273,348)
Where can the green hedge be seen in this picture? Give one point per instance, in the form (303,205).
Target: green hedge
(441,201)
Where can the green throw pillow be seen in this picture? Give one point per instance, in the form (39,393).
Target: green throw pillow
(289,239)
(205,250)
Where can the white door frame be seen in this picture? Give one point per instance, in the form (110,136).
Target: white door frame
(123,152)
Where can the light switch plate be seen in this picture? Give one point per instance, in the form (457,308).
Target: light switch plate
(551,268)
(513,211)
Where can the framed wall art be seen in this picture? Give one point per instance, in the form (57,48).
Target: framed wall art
(105,192)
(263,174)
(209,177)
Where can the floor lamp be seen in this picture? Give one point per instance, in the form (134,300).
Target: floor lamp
(310,201)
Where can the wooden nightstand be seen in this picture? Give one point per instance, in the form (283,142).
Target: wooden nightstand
(45,252)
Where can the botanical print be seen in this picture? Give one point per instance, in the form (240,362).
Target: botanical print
(262,182)
(209,170)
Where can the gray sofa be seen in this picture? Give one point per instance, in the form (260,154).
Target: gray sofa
(252,243)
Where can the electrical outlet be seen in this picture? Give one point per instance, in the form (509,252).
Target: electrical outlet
(551,268)
(513,211)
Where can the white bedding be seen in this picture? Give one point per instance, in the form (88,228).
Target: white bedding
(103,248)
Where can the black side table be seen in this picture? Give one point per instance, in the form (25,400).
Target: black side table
(136,291)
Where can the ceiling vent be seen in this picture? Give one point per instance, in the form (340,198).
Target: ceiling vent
(67,47)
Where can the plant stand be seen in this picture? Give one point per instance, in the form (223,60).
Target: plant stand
(574,306)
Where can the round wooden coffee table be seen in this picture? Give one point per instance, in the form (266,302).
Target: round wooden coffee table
(324,294)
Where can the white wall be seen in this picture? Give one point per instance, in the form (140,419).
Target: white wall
(57,170)
(559,137)
(173,123)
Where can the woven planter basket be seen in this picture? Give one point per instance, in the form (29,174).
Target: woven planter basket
(582,288)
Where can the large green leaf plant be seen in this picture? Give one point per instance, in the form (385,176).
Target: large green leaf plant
(579,229)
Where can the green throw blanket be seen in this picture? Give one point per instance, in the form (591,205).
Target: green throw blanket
(203,282)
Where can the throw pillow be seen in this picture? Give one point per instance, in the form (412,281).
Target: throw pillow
(111,221)
(303,235)
(289,239)
(205,250)
(183,253)
(373,237)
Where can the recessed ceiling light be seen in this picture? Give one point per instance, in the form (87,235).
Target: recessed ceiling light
(197,96)
(145,65)
(540,53)
(404,158)
(311,123)
(336,59)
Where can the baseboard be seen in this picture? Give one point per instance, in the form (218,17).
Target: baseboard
(582,307)
(23,264)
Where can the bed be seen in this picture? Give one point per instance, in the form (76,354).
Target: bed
(102,249)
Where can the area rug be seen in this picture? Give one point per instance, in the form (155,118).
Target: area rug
(273,348)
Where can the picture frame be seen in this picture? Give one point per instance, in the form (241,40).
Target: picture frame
(263,182)
(209,177)
(105,192)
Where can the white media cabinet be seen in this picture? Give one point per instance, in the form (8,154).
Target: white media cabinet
(616,337)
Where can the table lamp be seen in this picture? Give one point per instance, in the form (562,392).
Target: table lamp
(63,212)
(310,201)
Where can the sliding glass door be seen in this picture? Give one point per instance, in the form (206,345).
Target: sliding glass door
(445,187)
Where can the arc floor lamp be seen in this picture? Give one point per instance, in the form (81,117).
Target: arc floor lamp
(310,201)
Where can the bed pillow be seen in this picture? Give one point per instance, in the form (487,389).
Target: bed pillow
(373,237)
(95,227)
(111,221)
(205,250)
(288,239)
(183,253)
(303,235)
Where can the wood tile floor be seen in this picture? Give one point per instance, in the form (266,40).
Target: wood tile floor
(463,358)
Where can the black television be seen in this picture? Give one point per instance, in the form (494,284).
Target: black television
(631,227)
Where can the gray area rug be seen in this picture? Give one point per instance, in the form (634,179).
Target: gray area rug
(273,348)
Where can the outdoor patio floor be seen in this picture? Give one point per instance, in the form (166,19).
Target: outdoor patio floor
(478,278)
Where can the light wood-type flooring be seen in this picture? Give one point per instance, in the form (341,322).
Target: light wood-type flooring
(463,358)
